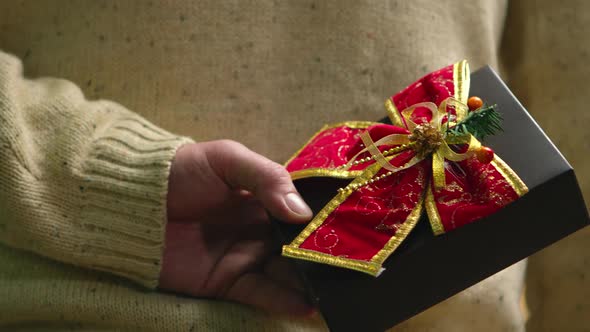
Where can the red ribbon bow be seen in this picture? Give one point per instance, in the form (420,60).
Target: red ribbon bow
(366,221)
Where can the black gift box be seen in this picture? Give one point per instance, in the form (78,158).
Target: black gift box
(427,269)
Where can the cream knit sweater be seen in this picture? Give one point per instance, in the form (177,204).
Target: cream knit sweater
(83,180)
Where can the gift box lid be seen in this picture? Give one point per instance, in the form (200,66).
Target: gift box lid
(427,269)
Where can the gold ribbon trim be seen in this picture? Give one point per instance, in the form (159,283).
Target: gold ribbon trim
(444,151)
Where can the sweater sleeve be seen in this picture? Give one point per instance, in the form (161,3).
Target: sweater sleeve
(82,182)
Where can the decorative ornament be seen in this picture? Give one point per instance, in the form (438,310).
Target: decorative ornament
(429,158)
(474,103)
(485,155)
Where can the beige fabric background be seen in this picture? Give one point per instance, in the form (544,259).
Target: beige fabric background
(268,74)
(546,50)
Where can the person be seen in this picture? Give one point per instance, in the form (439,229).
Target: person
(110,222)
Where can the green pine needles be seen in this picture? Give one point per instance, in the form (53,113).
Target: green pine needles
(485,121)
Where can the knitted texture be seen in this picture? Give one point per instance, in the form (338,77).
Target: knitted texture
(82,182)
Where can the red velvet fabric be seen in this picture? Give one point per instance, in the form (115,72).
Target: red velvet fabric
(371,215)
(367,219)
(336,146)
(473,191)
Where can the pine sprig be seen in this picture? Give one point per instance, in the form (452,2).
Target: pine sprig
(485,121)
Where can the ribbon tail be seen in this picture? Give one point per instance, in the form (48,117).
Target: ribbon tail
(432,211)
(438,170)
(359,229)
(445,152)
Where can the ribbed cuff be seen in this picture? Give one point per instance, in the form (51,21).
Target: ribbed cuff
(124,182)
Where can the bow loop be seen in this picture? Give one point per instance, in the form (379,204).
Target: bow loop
(428,137)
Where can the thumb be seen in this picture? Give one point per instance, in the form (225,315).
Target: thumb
(241,168)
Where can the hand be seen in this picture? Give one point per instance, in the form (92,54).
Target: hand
(218,236)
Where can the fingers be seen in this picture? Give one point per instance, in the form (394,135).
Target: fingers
(241,168)
(260,291)
(235,211)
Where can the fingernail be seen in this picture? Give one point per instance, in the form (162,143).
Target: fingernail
(297,205)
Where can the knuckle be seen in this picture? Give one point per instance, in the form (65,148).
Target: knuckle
(222,153)
(228,144)
(276,171)
(273,173)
